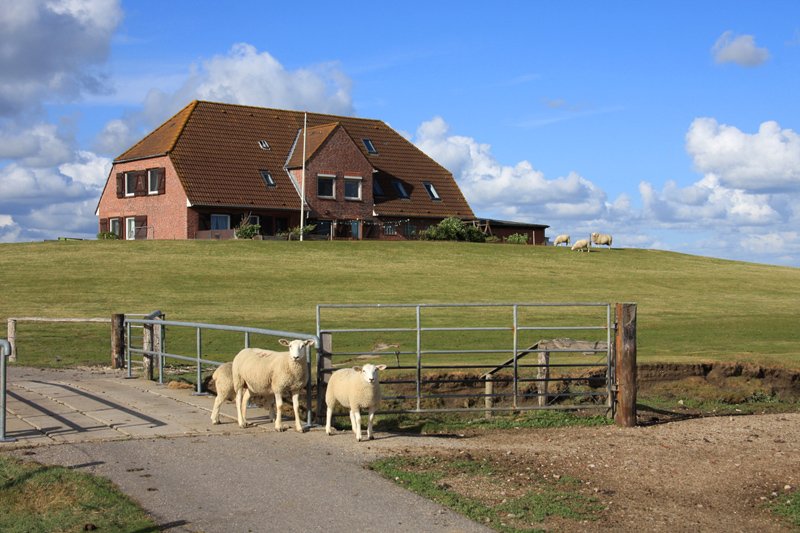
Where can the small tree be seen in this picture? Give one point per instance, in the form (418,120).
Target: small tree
(246,230)
(453,229)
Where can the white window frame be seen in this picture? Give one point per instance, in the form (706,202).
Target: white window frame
(130,191)
(331,177)
(359,180)
(254,220)
(227,218)
(111,224)
(150,175)
(130,229)
(370,146)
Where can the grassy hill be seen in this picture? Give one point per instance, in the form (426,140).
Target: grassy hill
(690,308)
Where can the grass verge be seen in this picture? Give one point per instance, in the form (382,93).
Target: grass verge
(788,507)
(492,492)
(39,498)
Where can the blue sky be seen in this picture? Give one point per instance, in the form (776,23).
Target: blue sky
(671,125)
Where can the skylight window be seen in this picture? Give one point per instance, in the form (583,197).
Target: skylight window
(377,190)
(431,190)
(268,179)
(401,189)
(369,146)
(264,145)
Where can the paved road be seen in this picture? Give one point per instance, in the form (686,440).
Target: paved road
(158,445)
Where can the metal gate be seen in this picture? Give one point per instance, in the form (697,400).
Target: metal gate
(474,357)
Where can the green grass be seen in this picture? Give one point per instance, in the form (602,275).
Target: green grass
(37,498)
(787,506)
(690,308)
(527,510)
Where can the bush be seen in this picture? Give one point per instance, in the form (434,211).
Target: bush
(517,238)
(294,233)
(107,235)
(246,230)
(453,229)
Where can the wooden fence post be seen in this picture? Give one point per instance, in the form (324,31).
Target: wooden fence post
(543,378)
(324,363)
(117,340)
(12,339)
(147,344)
(625,344)
(488,398)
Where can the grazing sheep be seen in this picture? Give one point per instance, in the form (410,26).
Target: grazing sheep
(582,244)
(261,372)
(561,238)
(355,388)
(602,238)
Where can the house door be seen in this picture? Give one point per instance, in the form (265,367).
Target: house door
(354,230)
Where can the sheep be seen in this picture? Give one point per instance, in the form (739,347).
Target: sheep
(221,384)
(561,238)
(582,244)
(355,388)
(260,372)
(601,238)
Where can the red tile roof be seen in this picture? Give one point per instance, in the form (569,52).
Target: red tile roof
(215,150)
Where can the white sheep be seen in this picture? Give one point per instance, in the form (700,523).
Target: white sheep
(261,372)
(602,238)
(222,385)
(355,388)
(582,244)
(564,238)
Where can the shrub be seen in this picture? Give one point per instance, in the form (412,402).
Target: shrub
(107,235)
(453,229)
(294,233)
(246,230)
(517,238)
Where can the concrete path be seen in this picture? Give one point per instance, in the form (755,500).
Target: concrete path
(158,445)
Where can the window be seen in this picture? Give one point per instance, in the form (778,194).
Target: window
(152,181)
(431,190)
(130,228)
(220,222)
(113,226)
(264,145)
(389,229)
(130,184)
(325,187)
(254,220)
(369,146)
(400,188)
(268,179)
(377,190)
(352,188)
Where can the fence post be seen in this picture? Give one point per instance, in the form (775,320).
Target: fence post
(117,340)
(12,339)
(543,378)
(488,399)
(625,342)
(5,351)
(147,344)
(324,364)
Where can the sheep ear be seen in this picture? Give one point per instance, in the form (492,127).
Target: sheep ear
(283,342)
(381,367)
(357,368)
(309,342)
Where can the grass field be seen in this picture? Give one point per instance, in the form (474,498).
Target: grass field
(690,308)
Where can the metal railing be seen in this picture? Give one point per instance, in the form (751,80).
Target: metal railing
(5,351)
(462,350)
(157,349)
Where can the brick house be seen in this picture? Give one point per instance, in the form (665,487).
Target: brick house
(212,165)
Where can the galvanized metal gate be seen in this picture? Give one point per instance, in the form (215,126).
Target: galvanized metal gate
(474,357)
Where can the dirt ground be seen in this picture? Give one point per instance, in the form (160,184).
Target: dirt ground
(702,474)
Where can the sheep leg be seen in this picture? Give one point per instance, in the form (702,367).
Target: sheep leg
(278,406)
(241,408)
(296,406)
(328,418)
(355,416)
(215,410)
(369,423)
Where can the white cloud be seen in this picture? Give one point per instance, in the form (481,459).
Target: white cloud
(50,49)
(40,145)
(502,191)
(75,219)
(740,49)
(765,161)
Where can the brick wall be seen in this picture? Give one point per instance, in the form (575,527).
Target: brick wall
(166,213)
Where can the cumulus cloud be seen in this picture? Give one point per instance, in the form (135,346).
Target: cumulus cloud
(245,76)
(52,48)
(739,49)
(502,191)
(764,161)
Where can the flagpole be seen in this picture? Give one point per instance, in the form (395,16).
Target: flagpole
(303,184)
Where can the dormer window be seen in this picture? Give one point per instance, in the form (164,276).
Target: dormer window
(431,190)
(264,145)
(377,190)
(268,179)
(400,188)
(369,146)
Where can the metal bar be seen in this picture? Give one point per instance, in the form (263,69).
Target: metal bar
(192,359)
(445,305)
(199,364)
(221,327)
(246,339)
(419,355)
(128,348)
(5,351)
(516,356)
